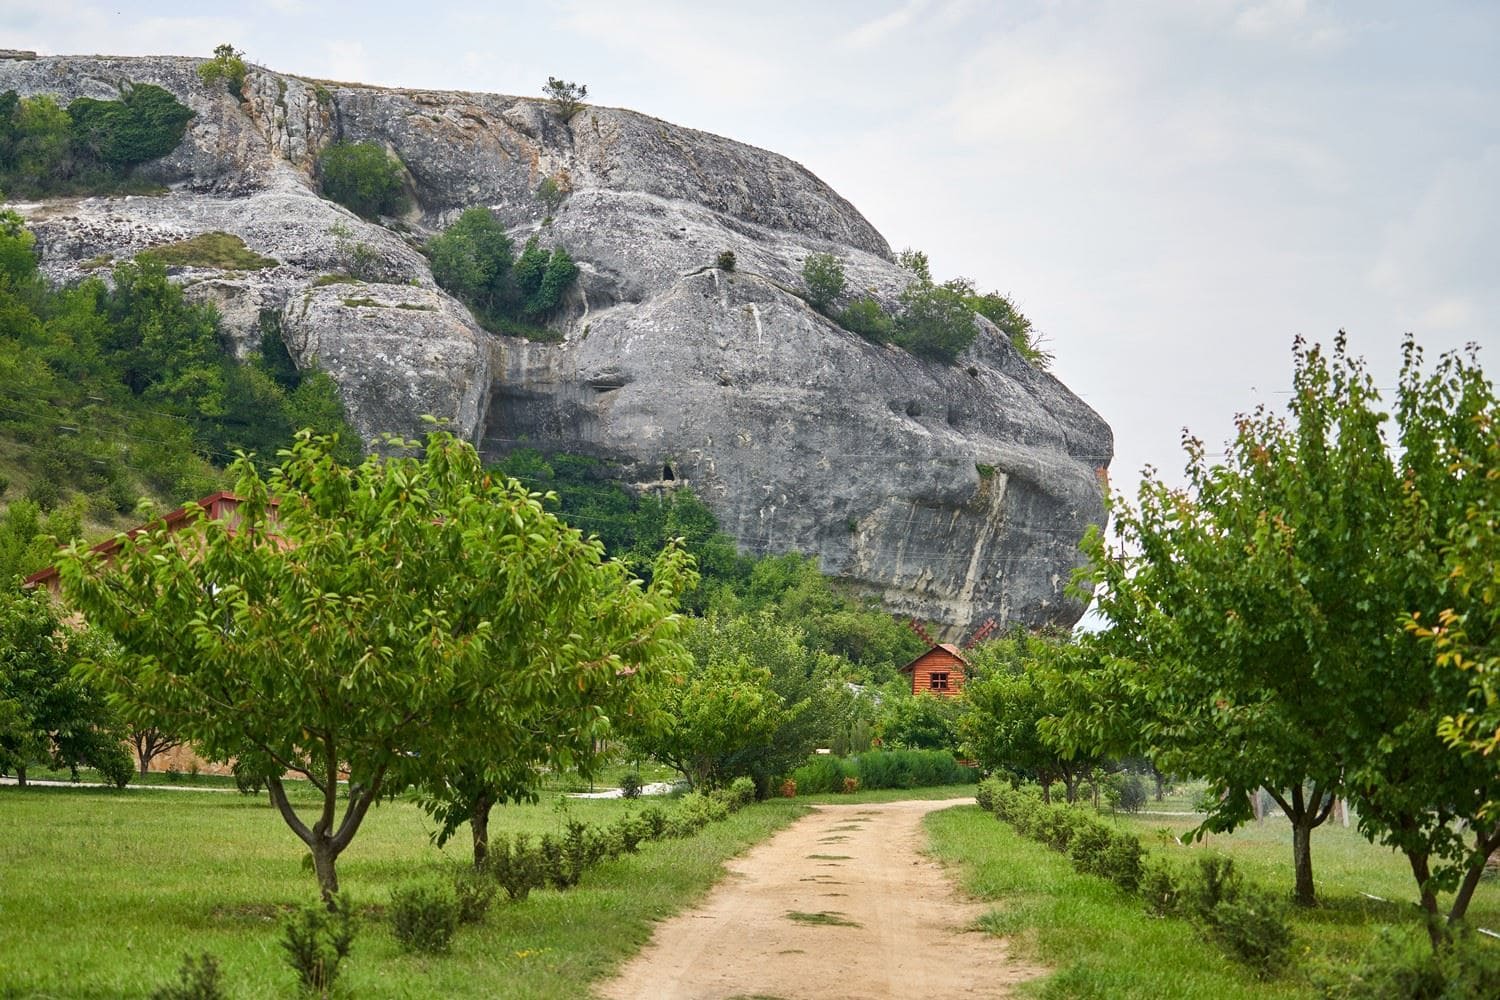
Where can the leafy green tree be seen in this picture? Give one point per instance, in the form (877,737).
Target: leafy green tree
(1261,606)
(724,714)
(166,349)
(823,274)
(1000,310)
(915,261)
(47,715)
(1466,635)
(362,177)
(471,260)
(935,321)
(391,623)
(1012,693)
(567,97)
(918,722)
(228,66)
(868,318)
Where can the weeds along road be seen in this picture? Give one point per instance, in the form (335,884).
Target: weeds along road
(841,904)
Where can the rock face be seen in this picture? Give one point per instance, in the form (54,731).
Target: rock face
(954,493)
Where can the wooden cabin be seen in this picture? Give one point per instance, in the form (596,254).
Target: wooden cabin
(939,671)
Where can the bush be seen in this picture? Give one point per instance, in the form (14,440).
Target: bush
(424,916)
(1401,963)
(1212,882)
(566,97)
(147,122)
(693,813)
(1253,928)
(868,318)
(725,261)
(1158,887)
(197,979)
(316,940)
(823,275)
(114,764)
(823,773)
(738,794)
(987,795)
(630,786)
(789,788)
(629,831)
(655,819)
(1088,846)
(1123,861)
(935,322)
(475,891)
(516,865)
(1125,791)
(362,177)
(228,65)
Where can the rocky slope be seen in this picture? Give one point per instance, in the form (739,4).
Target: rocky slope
(953,493)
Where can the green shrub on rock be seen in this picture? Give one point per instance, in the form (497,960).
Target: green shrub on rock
(362,177)
(823,274)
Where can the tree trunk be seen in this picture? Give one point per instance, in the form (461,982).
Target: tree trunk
(20,776)
(479,826)
(1304,894)
(324,859)
(1484,846)
(1423,874)
(144,761)
(1161,785)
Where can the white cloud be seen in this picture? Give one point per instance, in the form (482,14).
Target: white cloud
(879,30)
(1290,21)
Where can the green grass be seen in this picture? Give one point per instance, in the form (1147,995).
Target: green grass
(221,250)
(1103,944)
(1099,940)
(105,892)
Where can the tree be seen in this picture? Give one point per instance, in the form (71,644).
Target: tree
(471,260)
(566,97)
(823,274)
(149,743)
(386,623)
(918,722)
(723,714)
(1000,310)
(935,322)
(1258,612)
(362,177)
(227,65)
(46,714)
(1012,694)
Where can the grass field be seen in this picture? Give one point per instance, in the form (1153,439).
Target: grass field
(1103,944)
(105,892)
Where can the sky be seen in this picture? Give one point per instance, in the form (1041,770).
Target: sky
(1171,190)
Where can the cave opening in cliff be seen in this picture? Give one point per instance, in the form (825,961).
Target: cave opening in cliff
(666,474)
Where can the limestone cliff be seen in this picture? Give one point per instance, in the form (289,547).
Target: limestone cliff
(952,492)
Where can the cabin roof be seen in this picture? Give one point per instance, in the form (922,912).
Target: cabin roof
(946,647)
(213,504)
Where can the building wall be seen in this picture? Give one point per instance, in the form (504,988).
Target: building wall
(938,661)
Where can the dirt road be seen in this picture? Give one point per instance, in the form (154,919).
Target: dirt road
(841,904)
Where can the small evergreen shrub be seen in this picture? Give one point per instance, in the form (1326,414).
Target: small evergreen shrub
(987,794)
(741,793)
(725,261)
(1205,887)
(655,819)
(362,177)
(566,96)
(630,786)
(424,916)
(1123,860)
(197,979)
(316,941)
(1158,887)
(516,865)
(475,890)
(1253,928)
(1401,963)
(1088,846)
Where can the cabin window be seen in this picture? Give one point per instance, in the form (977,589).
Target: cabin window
(938,682)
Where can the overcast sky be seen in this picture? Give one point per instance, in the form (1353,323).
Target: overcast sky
(1170,189)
